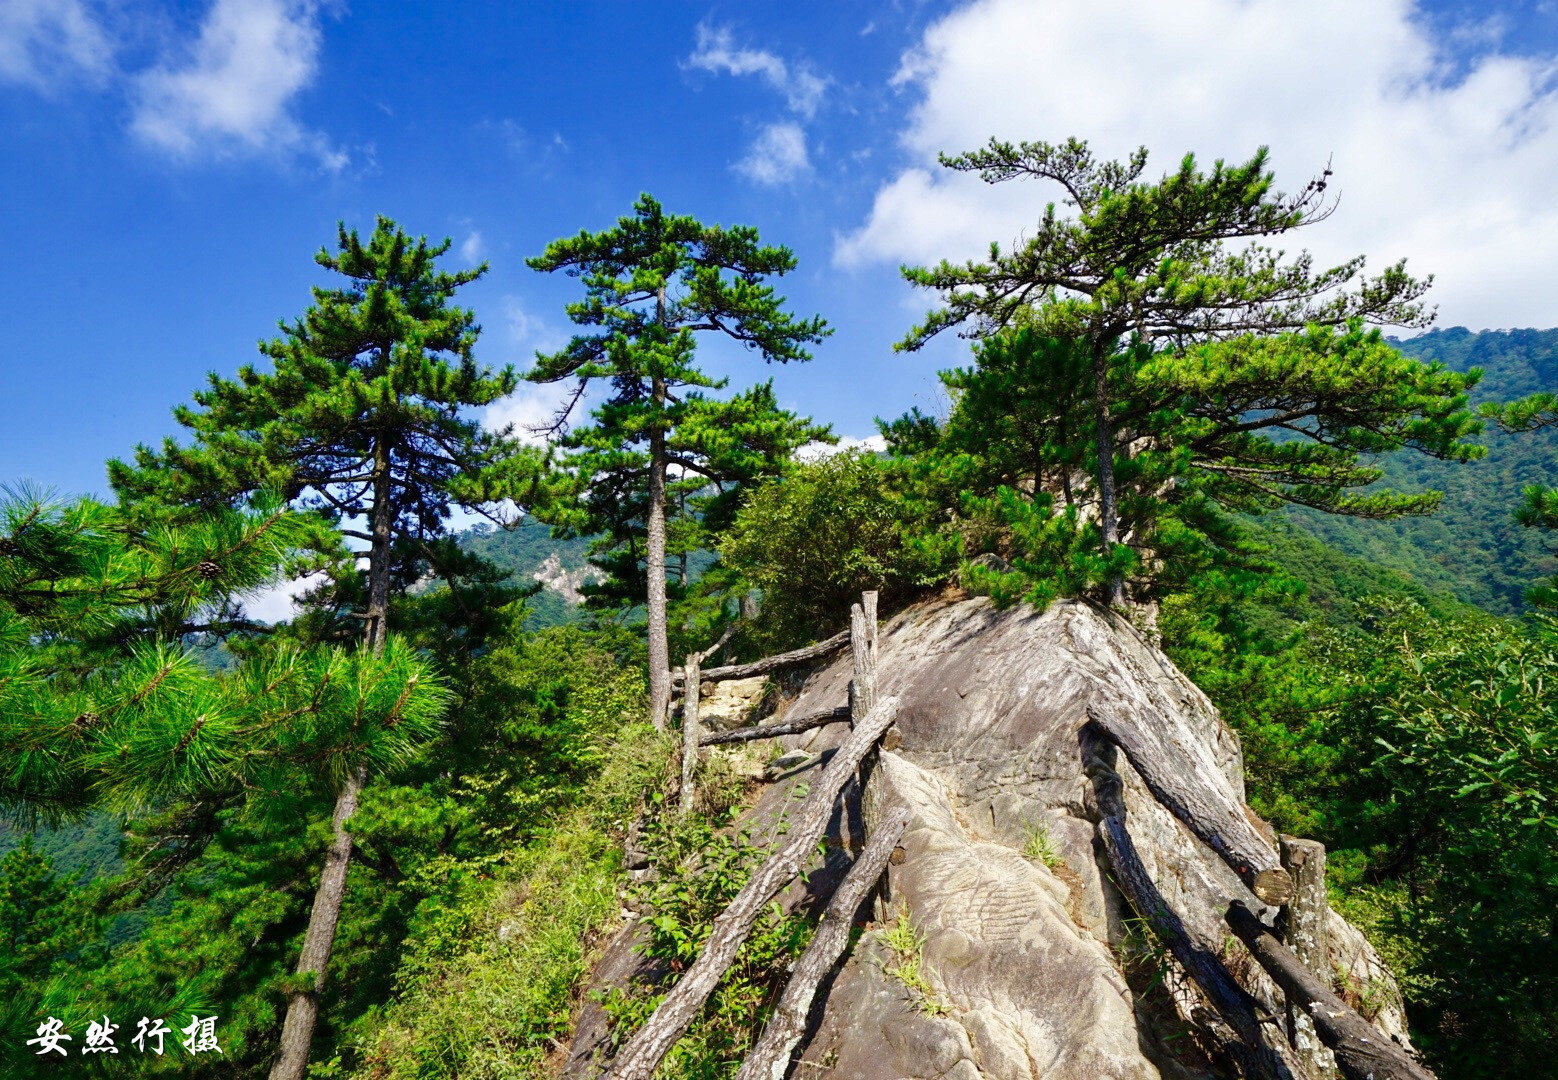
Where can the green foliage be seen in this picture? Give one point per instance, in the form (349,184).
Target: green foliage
(699,870)
(813,540)
(1418,748)
(1201,435)
(495,966)
(1040,847)
(1470,546)
(907,946)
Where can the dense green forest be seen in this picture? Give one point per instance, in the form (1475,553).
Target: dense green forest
(385,837)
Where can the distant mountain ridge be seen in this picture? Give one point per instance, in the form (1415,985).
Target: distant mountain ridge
(532,554)
(1471,548)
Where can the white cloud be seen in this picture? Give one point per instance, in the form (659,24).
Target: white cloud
(717,52)
(1450,166)
(278,603)
(816,451)
(777,154)
(472,249)
(236,86)
(46,42)
(531,410)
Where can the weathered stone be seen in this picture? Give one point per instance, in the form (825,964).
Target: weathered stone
(1021,958)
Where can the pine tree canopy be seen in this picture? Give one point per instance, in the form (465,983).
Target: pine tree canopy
(1152,259)
(103,702)
(1161,357)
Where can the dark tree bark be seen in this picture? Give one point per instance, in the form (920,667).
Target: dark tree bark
(1362,1051)
(690,732)
(1108,508)
(1200,961)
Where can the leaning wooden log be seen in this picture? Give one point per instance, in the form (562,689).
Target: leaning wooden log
(690,732)
(638,1059)
(773,731)
(772,663)
(1256,1056)
(770,1058)
(1362,1051)
(1217,826)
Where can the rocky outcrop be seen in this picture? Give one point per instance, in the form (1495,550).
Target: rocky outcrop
(1001,947)
(564,582)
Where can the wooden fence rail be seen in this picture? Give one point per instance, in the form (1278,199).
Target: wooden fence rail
(643,1052)
(770,1058)
(1362,1051)
(1218,827)
(769,664)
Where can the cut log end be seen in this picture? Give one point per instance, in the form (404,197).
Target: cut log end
(1274,887)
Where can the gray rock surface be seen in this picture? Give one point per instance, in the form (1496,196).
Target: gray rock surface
(1028,966)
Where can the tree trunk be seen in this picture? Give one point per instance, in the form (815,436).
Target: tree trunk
(690,732)
(659,649)
(642,1054)
(1108,509)
(297,1031)
(379,555)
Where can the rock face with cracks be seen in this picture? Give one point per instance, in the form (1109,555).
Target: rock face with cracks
(1000,947)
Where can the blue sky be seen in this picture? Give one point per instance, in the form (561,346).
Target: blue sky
(170,167)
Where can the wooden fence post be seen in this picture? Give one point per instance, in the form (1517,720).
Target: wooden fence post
(1362,1051)
(690,691)
(862,650)
(1304,931)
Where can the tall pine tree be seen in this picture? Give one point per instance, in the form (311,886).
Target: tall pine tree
(364,415)
(652,284)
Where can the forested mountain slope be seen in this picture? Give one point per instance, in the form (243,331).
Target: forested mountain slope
(1470,548)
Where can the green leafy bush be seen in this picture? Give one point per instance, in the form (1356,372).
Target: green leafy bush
(812,541)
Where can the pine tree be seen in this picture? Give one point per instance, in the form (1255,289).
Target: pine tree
(104,704)
(651,284)
(363,415)
(1147,264)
